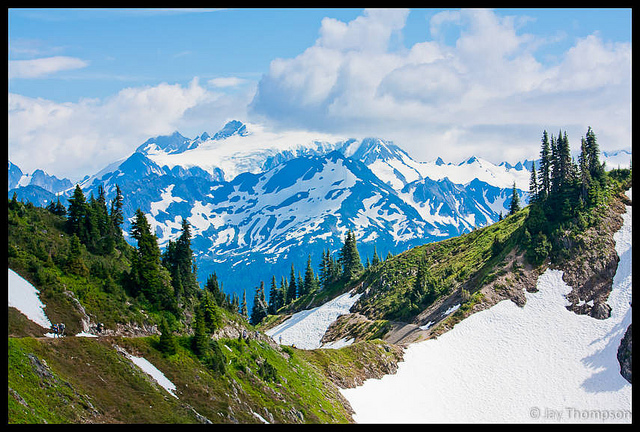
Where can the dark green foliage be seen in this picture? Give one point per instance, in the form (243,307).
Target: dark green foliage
(178,259)
(350,258)
(57,208)
(515,201)
(267,372)
(565,194)
(147,277)
(259,310)
(214,359)
(167,344)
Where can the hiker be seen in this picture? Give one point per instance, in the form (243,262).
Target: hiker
(54,330)
(99,327)
(61,330)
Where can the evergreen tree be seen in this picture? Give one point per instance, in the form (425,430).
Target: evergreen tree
(243,306)
(515,200)
(200,340)
(350,258)
(376,259)
(213,287)
(292,293)
(77,214)
(593,155)
(259,310)
(545,167)
(310,281)
(116,215)
(585,174)
(57,207)
(533,184)
(209,311)
(167,344)
(178,259)
(274,297)
(147,276)
(75,263)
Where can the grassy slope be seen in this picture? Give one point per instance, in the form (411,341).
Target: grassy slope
(77,380)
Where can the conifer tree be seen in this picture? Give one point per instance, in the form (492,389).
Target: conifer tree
(116,215)
(515,200)
(200,340)
(376,259)
(545,168)
(77,214)
(350,258)
(167,344)
(274,297)
(147,276)
(310,281)
(292,289)
(533,184)
(243,306)
(259,310)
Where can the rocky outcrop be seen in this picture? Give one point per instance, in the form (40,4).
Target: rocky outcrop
(624,355)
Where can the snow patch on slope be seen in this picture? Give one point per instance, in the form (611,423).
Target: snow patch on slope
(538,363)
(305,329)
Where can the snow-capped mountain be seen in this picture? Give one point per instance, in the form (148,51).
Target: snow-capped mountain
(259,201)
(38,187)
(39,178)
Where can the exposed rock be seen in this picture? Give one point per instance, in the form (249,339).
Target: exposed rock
(624,355)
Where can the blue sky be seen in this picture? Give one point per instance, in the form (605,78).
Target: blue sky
(87,86)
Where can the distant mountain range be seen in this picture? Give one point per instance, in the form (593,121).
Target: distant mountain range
(259,201)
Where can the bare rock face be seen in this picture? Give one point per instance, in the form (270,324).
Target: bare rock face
(624,355)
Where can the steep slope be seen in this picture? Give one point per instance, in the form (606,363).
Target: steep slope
(122,374)
(540,362)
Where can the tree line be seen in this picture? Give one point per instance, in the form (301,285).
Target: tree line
(562,191)
(332,270)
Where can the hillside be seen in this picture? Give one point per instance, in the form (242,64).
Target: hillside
(244,376)
(425,291)
(88,376)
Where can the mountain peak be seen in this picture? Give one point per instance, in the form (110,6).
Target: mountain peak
(174,143)
(233,127)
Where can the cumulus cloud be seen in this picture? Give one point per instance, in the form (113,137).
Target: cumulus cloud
(76,139)
(42,67)
(484,94)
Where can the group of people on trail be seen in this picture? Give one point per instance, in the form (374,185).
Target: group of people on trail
(58,330)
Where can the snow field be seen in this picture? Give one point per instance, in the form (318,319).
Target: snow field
(25,297)
(539,363)
(306,328)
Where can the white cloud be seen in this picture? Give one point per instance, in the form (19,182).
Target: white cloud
(223,82)
(76,139)
(483,94)
(42,67)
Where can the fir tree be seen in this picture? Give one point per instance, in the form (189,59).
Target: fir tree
(310,281)
(515,200)
(545,167)
(292,293)
(274,297)
(147,276)
(167,344)
(350,258)
(116,215)
(533,184)
(77,213)
(259,310)
(243,306)
(376,259)
(200,339)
